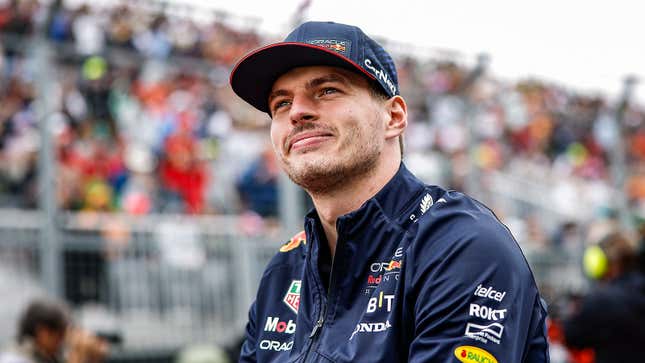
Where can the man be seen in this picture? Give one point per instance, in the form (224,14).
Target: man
(387,269)
(610,318)
(44,334)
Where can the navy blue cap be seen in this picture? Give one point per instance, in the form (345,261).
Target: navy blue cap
(313,44)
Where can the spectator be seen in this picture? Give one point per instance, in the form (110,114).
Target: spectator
(183,175)
(258,185)
(44,332)
(88,32)
(610,318)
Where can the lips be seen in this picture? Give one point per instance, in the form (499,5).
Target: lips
(307,138)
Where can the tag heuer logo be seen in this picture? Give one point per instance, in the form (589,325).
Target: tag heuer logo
(292,298)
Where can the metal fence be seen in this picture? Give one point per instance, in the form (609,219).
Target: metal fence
(164,282)
(160,282)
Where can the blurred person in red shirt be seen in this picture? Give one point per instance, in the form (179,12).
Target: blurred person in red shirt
(182,173)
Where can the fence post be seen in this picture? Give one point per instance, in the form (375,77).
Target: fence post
(291,204)
(243,250)
(50,248)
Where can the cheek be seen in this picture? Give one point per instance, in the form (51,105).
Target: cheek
(275,137)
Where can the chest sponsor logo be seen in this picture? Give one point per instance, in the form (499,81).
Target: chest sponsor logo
(275,345)
(374,279)
(384,271)
(484,312)
(470,354)
(490,293)
(485,333)
(292,298)
(379,302)
(273,324)
(371,328)
(392,266)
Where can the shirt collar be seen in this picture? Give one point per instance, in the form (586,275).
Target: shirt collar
(393,199)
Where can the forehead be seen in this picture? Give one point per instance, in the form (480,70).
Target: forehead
(303,75)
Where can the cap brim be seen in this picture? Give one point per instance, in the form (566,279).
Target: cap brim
(253,76)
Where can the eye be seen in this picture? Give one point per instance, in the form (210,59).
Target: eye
(328,91)
(279,104)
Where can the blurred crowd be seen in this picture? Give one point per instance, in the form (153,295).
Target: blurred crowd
(145,121)
(133,130)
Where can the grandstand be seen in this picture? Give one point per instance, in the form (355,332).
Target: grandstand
(150,204)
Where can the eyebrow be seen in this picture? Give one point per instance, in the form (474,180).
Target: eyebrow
(328,78)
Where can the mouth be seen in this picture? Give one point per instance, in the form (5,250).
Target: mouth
(307,140)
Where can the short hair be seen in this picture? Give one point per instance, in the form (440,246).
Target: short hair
(41,313)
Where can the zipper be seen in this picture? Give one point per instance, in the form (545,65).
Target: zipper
(315,332)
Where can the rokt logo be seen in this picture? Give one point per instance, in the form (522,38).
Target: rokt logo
(294,242)
(470,354)
(274,324)
(292,298)
(484,312)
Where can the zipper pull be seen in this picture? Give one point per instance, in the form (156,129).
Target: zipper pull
(318,325)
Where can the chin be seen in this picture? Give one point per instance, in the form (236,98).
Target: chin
(315,174)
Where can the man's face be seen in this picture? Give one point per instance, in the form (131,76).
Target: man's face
(327,128)
(48,340)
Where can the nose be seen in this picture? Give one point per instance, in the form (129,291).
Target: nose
(302,109)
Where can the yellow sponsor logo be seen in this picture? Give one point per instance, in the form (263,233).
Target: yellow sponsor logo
(470,354)
(294,242)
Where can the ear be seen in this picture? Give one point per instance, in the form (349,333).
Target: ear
(398,117)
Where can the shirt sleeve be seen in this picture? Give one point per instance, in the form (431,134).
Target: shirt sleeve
(248,351)
(473,297)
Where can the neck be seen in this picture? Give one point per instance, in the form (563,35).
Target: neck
(350,196)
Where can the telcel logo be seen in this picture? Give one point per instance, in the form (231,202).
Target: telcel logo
(470,354)
(489,292)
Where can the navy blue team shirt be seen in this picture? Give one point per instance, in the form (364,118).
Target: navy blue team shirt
(420,274)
